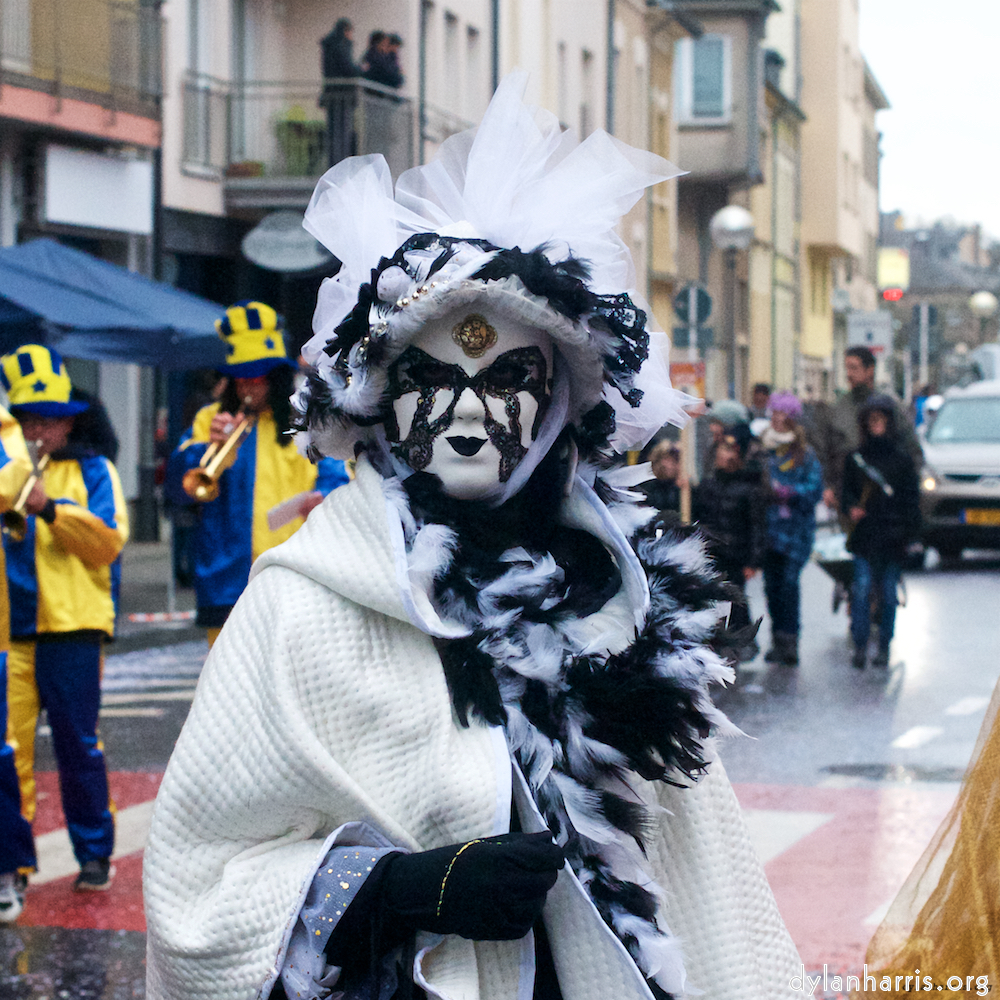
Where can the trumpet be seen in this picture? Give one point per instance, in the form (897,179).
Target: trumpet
(15,521)
(202,482)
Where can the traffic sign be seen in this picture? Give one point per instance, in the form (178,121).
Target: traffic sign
(870,329)
(692,304)
(705,336)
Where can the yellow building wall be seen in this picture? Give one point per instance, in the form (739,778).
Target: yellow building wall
(817,330)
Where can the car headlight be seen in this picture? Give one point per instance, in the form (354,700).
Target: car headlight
(929,479)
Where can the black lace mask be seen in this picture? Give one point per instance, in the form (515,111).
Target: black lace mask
(522,369)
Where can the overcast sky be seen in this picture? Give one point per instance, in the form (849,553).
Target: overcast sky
(939,65)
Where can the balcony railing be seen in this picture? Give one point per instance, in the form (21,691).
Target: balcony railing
(262,129)
(103,50)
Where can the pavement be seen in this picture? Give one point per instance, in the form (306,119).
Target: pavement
(844,780)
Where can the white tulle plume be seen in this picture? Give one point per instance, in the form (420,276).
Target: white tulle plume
(517,180)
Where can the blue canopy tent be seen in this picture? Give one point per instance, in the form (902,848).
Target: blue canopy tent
(88,308)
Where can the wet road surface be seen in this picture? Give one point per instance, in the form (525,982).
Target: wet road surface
(846,778)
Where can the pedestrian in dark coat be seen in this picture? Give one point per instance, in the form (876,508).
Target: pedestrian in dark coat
(726,504)
(881,499)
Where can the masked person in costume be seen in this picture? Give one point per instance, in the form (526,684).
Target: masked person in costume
(63,575)
(261,470)
(17,846)
(454,740)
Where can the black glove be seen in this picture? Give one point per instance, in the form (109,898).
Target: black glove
(484,890)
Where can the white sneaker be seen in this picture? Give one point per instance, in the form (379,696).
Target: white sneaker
(12,887)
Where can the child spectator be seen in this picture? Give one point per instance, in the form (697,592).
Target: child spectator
(881,499)
(664,492)
(726,504)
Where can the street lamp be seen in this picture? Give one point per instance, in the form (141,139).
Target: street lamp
(984,305)
(732,230)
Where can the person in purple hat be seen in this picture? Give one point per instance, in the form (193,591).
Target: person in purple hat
(796,485)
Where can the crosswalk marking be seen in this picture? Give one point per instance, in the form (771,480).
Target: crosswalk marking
(55,853)
(773,831)
(915,737)
(967,706)
(136,684)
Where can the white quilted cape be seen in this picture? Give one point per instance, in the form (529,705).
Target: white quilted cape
(321,705)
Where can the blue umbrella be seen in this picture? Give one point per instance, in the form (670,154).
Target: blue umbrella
(91,309)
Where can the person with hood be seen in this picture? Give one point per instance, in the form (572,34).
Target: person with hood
(264,469)
(834,433)
(881,500)
(63,572)
(727,506)
(454,738)
(796,484)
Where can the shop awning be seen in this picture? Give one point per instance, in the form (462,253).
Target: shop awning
(88,308)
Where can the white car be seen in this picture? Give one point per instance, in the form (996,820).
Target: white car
(960,482)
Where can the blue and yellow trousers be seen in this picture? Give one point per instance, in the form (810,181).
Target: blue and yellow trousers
(17,847)
(64,677)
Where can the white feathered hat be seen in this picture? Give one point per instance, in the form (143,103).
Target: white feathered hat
(516,215)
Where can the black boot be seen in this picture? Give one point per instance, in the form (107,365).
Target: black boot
(784,649)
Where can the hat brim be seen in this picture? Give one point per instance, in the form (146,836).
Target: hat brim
(254,369)
(50,408)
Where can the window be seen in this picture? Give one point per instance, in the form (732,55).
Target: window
(563,84)
(703,78)
(473,73)
(588,120)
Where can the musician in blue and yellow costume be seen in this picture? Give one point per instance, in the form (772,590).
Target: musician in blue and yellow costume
(233,526)
(17,847)
(63,576)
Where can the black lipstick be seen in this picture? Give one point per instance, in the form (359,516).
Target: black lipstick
(466,446)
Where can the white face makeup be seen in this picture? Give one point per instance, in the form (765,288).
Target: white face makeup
(468,397)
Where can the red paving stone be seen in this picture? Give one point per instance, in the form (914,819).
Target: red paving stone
(826,884)
(55,904)
(831,880)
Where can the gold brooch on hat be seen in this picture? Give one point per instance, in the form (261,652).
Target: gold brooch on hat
(474,335)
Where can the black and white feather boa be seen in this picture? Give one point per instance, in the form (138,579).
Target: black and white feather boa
(590,698)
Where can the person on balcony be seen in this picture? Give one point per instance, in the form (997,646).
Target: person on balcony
(337,50)
(337,63)
(382,59)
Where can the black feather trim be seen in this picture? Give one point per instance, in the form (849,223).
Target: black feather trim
(632,818)
(469,673)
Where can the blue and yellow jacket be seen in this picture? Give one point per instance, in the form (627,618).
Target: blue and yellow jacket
(64,576)
(15,468)
(232,529)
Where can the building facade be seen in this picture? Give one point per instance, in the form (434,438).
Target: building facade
(840,98)
(80,138)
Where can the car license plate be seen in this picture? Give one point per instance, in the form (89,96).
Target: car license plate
(981,516)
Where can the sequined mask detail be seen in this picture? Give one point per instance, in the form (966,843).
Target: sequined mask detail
(520,370)
(474,335)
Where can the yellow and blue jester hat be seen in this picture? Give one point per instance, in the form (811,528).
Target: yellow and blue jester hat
(254,340)
(36,381)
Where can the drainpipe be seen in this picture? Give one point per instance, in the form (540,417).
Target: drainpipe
(774,252)
(495,44)
(609,97)
(422,86)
